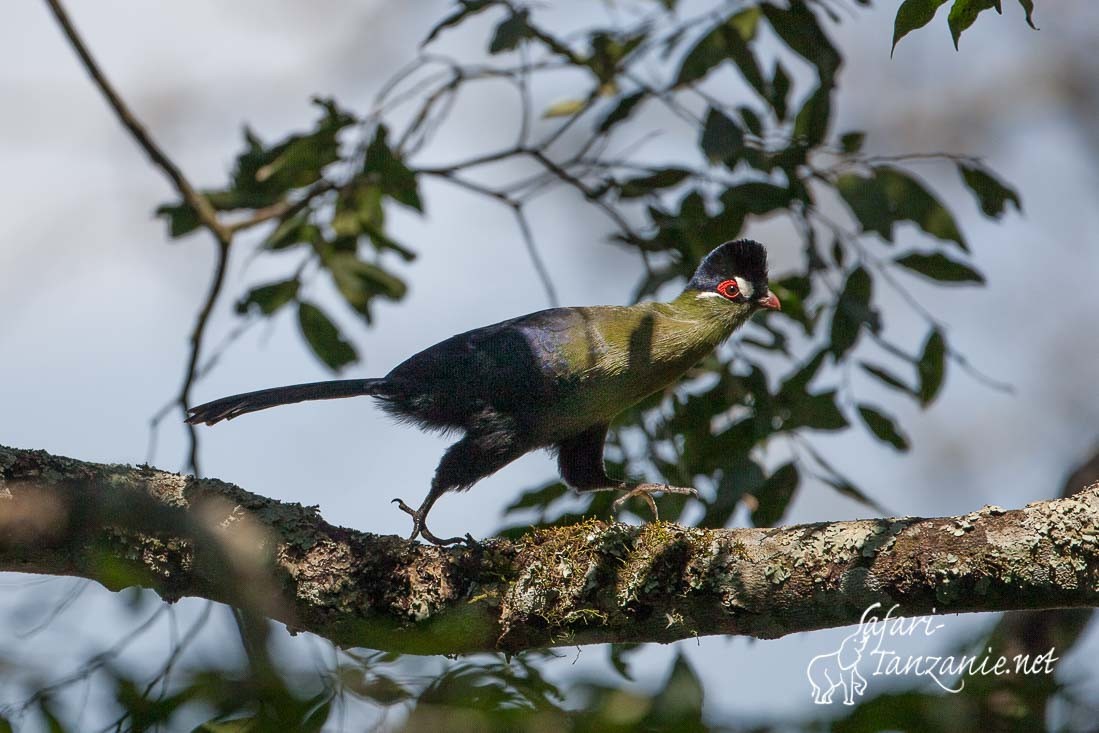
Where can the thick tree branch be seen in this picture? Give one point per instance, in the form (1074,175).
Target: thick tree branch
(588,583)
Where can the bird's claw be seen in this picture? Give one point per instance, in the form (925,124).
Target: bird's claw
(419,528)
(645,492)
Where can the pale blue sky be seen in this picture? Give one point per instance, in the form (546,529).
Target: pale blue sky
(97,304)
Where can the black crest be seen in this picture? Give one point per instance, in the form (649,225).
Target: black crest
(743,258)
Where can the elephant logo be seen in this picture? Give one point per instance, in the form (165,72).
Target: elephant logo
(840,668)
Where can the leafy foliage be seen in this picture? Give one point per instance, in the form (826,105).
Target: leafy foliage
(767,151)
(913,14)
(336,223)
(772,154)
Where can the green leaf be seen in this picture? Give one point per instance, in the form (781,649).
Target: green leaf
(868,202)
(939,267)
(758,198)
(726,41)
(839,254)
(468,8)
(618,653)
(358,207)
(751,120)
(299,161)
(992,194)
(841,484)
(538,498)
(816,412)
(53,725)
(182,219)
(679,705)
(848,489)
(794,387)
(887,378)
(380,281)
(295,230)
(512,30)
(792,291)
(739,475)
(883,427)
(799,29)
(774,496)
(620,112)
(737,49)
(645,185)
(269,298)
(780,91)
(909,199)
(383,242)
(706,54)
(1028,8)
(388,172)
(722,140)
(913,14)
(232,199)
(891,195)
(563,108)
(963,13)
(745,23)
(811,123)
(851,142)
(360,282)
(608,52)
(262,174)
(324,337)
(852,311)
(932,367)
(314,722)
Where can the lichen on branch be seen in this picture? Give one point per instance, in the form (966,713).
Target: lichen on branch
(587,583)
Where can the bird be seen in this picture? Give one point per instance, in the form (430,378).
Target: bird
(553,379)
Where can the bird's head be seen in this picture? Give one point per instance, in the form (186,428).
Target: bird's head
(737,272)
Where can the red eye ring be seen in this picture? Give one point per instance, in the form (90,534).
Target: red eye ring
(728,289)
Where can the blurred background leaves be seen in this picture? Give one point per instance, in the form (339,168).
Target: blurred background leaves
(769,153)
(756,84)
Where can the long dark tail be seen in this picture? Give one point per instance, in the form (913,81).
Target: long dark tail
(239,404)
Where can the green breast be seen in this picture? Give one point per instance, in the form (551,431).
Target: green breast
(616,356)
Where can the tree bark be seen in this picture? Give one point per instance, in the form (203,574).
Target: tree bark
(588,583)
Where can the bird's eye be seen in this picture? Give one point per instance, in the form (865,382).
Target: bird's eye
(728,289)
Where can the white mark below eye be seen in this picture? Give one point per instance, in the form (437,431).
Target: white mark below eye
(744,287)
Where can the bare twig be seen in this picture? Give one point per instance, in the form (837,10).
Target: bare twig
(216,283)
(535,255)
(588,193)
(202,207)
(521,219)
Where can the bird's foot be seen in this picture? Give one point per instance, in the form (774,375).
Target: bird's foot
(645,491)
(419,528)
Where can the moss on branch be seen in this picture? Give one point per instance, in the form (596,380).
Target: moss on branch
(587,583)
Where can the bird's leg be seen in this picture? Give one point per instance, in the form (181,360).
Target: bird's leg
(419,522)
(645,492)
(580,460)
(473,457)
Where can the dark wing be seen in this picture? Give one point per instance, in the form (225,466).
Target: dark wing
(510,366)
